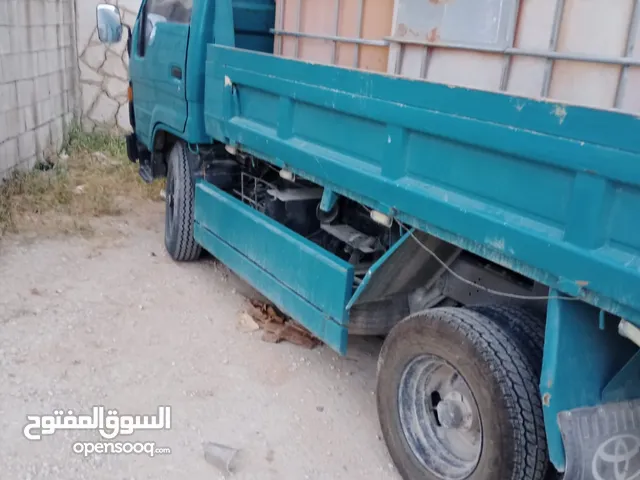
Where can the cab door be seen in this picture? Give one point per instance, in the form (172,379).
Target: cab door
(157,66)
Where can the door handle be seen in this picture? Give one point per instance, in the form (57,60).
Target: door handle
(176,72)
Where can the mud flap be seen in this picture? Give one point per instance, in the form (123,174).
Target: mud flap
(602,443)
(132,147)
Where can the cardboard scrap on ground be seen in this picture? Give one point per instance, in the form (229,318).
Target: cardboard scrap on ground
(277,327)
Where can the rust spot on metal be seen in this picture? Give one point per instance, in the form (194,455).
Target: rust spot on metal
(439,2)
(582,283)
(402,30)
(434,35)
(546,399)
(550,383)
(560,112)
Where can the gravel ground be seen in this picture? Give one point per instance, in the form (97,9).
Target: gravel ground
(111,320)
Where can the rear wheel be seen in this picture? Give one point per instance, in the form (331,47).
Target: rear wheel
(522,325)
(457,400)
(527,328)
(179,207)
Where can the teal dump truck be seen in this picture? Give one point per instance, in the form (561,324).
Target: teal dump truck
(494,240)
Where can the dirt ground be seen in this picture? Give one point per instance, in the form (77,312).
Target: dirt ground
(110,320)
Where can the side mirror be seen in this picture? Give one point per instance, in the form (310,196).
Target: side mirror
(109,24)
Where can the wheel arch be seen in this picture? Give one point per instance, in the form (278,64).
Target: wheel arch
(163,139)
(408,279)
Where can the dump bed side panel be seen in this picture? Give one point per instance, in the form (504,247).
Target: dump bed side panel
(545,189)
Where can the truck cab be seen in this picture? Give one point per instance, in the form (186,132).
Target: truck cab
(167,68)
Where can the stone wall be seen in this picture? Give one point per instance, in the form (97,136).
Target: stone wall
(103,70)
(38,77)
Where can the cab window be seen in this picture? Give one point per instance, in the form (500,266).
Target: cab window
(174,11)
(161,11)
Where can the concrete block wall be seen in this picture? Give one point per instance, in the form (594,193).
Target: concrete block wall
(38,79)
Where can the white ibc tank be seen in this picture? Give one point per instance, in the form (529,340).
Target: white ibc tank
(582,52)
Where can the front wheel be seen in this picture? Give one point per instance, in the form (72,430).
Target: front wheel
(457,400)
(180,207)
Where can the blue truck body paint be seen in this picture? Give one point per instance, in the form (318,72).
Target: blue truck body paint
(374,268)
(297,275)
(546,190)
(579,360)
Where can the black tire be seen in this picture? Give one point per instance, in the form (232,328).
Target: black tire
(179,207)
(523,325)
(501,382)
(528,329)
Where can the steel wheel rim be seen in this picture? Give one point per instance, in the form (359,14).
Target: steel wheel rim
(439,417)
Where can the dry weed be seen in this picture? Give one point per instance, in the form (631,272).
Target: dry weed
(91,178)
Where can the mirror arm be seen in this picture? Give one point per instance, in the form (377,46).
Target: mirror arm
(129,38)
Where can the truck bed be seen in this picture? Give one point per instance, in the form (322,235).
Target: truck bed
(548,190)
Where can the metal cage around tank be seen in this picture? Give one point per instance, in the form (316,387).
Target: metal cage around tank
(398,44)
